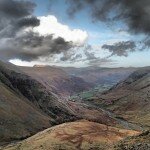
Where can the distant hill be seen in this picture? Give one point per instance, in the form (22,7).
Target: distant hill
(57,80)
(98,75)
(67,81)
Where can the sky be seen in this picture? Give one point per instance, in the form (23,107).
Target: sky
(79,33)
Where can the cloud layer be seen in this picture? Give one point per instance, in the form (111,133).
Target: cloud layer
(30,46)
(27,37)
(30,38)
(135,13)
(16,15)
(50,25)
(120,48)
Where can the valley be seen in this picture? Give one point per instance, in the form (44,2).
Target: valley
(31,101)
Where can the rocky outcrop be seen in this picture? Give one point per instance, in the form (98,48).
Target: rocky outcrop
(139,142)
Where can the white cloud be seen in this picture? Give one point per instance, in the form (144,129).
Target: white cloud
(50,25)
(19,62)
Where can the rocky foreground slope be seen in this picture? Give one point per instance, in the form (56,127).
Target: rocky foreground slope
(80,135)
(138,142)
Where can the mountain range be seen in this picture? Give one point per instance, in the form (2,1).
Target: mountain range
(35,98)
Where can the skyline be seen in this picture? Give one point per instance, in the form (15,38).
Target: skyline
(47,33)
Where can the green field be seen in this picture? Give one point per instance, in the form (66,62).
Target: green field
(91,93)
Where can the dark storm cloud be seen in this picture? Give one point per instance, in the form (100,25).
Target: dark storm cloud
(15,8)
(12,28)
(120,48)
(15,16)
(27,22)
(30,46)
(135,13)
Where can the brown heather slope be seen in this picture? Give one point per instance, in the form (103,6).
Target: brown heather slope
(19,118)
(130,99)
(33,91)
(80,135)
(57,80)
